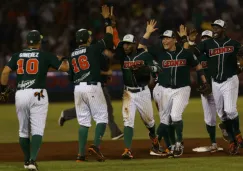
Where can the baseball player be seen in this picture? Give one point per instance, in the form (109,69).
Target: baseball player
(31,99)
(207,101)
(88,95)
(69,114)
(136,65)
(172,91)
(221,52)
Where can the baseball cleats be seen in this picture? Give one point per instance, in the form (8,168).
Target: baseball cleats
(155,152)
(155,143)
(233,148)
(213,148)
(95,150)
(61,120)
(81,158)
(239,140)
(117,137)
(178,151)
(33,166)
(127,154)
(26,165)
(221,126)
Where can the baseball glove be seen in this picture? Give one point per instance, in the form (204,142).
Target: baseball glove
(4,95)
(205,89)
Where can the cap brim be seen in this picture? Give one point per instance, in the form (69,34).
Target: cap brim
(124,41)
(213,24)
(162,36)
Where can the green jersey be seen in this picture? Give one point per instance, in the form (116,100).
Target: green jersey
(134,78)
(31,66)
(175,65)
(86,61)
(221,57)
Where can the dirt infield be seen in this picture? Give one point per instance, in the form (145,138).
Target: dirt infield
(110,149)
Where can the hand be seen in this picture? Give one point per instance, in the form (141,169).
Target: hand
(151,26)
(182,31)
(105,11)
(193,35)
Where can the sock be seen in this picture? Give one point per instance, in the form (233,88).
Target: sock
(162,131)
(178,129)
(99,133)
(171,131)
(128,134)
(236,126)
(35,146)
(212,133)
(229,129)
(25,146)
(152,132)
(82,139)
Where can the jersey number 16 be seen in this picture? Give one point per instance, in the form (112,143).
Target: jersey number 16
(83,63)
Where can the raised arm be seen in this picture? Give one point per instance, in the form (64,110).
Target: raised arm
(149,30)
(183,35)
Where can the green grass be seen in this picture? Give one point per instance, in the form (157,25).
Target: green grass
(183,164)
(194,125)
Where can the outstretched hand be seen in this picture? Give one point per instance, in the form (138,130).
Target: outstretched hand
(105,12)
(182,31)
(151,26)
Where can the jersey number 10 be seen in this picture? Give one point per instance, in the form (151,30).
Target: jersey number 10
(82,62)
(32,66)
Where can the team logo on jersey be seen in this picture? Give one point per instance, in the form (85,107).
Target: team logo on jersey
(26,83)
(221,50)
(173,63)
(129,64)
(204,64)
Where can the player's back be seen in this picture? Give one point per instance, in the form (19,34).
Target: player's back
(85,66)
(31,67)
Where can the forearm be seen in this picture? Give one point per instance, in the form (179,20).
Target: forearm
(201,73)
(5,75)
(142,43)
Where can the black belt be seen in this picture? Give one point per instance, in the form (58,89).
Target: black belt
(172,86)
(219,81)
(135,89)
(92,83)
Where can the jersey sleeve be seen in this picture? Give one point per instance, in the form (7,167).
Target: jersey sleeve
(153,50)
(192,59)
(199,49)
(105,43)
(54,62)
(119,52)
(12,63)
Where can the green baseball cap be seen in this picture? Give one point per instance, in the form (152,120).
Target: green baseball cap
(33,37)
(82,35)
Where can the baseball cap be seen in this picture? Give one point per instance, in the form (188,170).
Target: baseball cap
(33,37)
(219,22)
(129,38)
(167,33)
(207,33)
(82,35)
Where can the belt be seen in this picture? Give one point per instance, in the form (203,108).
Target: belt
(219,81)
(134,89)
(89,83)
(92,83)
(172,86)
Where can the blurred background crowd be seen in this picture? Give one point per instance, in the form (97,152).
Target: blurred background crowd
(58,20)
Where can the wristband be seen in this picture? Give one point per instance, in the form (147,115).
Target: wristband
(107,22)
(144,41)
(184,39)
